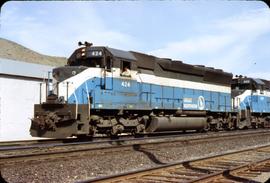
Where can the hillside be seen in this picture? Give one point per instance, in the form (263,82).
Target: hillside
(14,51)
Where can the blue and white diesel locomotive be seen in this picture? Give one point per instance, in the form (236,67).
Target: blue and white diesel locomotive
(109,91)
(251,99)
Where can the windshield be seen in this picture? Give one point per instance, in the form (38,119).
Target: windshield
(89,62)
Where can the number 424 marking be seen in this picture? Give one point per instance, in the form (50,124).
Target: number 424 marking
(125,84)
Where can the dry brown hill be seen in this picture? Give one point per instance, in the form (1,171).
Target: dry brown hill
(14,51)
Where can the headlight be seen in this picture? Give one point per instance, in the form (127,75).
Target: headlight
(83,52)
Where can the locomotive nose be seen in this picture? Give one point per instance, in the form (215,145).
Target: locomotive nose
(54,119)
(62,73)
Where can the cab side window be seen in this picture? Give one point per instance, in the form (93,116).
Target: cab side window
(125,69)
(108,63)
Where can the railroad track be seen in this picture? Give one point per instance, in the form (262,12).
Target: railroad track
(37,142)
(5,145)
(152,138)
(40,143)
(10,155)
(240,166)
(17,143)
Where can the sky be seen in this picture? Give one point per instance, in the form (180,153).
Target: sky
(229,35)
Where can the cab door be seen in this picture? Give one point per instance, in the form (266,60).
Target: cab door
(107,75)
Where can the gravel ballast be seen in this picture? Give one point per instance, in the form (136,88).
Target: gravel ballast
(98,163)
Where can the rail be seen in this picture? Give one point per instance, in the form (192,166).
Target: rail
(49,149)
(237,166)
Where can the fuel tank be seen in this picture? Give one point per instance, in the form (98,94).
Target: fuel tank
(176,123)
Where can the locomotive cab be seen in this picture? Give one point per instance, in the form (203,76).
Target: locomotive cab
(240,84)
(75,90)
(87,56)
(101,57)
